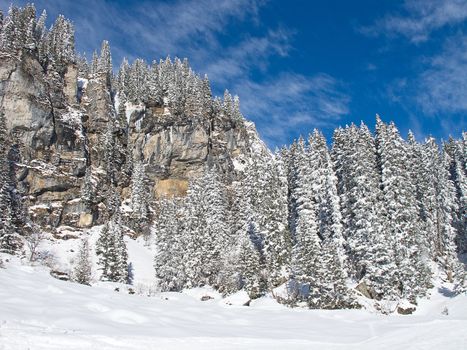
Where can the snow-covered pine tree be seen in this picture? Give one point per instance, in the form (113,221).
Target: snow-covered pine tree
(400,202)
(41,33)
(242,260)
(94,64)
(249,263)
(167,231)
(139,201)
(110,246)
(236,113)
(457,151)
(445,220)
(228,104)
(268,186)
(12,31)
(82,272)
(333,291)
(112,252)
(324,188)
(193,102)
(303,208)
(137,83)
(370,247)
(206,97)
(61,43)
(207,229)
(154,88)
(9,239)
(105,62)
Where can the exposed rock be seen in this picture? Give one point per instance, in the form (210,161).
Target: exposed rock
(24,100)
(85,220)
(63,276)
(59,131)
(71,84)
(406,309)
(363,288)
(171,188)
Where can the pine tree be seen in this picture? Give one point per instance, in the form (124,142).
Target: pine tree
(137,81)
(9,239)
(206,97)
(269,201)
(83,269)
(242,259)
(332,289)
(111,247)
(228,104)
(41,34)
(304,223)
(249,263)
(139,199)
(61,43)
(369,246)
(94,63)
(439,208)
(112,252)
(457,151)
(10,40)
(207,229)
(104,65)
(399,193)
(168,233)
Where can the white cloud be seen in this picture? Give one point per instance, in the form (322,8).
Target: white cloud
(293,102)
(150,28)
(420,19)
(442,87)
(236,59)
(439,91)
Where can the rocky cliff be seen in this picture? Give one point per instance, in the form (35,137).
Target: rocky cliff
(58,121)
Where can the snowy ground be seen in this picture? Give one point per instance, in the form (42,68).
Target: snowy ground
(41,312)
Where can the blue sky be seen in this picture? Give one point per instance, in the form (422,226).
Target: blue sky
(299,65)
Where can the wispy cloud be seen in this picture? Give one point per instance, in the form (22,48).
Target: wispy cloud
(436,88)
(150,28)
(293,103)
(438,92)
(442,87)
(238,61)
(418,19)
(217,37)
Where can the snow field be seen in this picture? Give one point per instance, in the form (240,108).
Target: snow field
(41,312)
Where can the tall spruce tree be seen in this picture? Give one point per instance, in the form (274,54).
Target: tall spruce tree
(139,202)
(9,238)
(111,249)
(168,232)
(400,201)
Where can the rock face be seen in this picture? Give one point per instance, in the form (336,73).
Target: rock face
(179,149)
(58,123)
(24,100)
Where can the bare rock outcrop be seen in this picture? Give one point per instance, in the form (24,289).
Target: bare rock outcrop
(58,121)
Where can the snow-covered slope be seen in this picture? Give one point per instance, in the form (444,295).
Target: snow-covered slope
(40,312)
